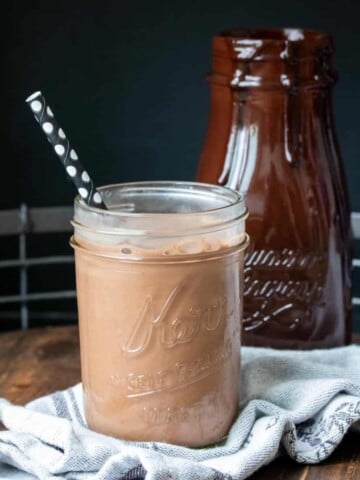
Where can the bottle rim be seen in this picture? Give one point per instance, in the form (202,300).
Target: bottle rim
(260,44)
(275,35)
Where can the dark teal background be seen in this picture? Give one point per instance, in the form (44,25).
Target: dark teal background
(127,83)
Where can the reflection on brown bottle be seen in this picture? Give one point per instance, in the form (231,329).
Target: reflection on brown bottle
(271,135)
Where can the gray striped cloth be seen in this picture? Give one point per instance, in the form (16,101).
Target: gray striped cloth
(295,403)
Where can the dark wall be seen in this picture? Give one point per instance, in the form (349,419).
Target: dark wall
(126,81)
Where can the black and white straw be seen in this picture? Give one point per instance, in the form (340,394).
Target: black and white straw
(56,136)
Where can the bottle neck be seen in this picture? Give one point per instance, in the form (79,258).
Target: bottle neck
(248,125)
(288,74)
(273,59)
(270,90)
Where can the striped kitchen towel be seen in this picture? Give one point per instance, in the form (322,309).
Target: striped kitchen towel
(292,402)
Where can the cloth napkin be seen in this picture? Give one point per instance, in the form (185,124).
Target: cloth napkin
(292,402)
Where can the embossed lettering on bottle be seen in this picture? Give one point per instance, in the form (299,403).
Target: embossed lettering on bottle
(282,302)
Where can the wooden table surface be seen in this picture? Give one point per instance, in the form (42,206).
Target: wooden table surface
(37,362)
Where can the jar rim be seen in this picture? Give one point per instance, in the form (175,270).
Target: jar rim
(233,196)
(160,208)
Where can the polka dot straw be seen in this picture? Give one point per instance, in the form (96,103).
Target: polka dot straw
(65,152)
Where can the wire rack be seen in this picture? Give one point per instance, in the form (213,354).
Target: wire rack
(24,221)
(21,223)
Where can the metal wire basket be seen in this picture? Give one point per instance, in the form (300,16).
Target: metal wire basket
(25,221)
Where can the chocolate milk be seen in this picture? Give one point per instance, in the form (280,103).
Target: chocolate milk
(160,337)
(271,135)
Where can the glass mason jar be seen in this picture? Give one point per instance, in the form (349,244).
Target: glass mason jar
(271,135)
(159,301)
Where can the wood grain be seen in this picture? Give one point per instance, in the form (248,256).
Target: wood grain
(37,362)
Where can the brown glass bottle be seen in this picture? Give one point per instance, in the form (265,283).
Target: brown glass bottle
(271,135)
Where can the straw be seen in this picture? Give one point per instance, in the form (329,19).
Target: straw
(68,157)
